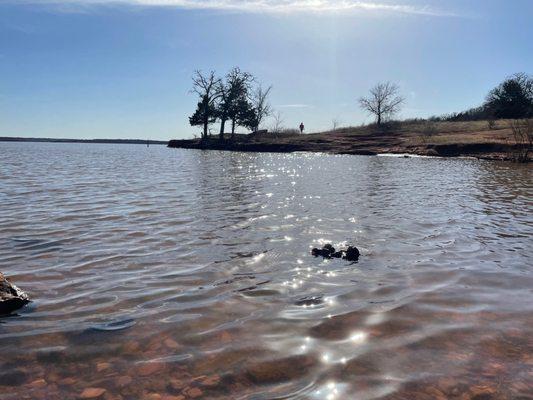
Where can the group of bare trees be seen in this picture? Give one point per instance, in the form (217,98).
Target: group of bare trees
(233,99)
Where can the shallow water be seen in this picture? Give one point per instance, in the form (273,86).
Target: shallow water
(174,274)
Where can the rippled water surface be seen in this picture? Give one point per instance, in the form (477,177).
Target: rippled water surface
(174,274)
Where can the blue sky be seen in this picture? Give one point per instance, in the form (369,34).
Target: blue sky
(122,69)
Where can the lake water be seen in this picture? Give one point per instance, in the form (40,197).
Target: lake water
(173,274)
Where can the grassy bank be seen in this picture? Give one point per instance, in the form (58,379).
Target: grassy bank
(479,139)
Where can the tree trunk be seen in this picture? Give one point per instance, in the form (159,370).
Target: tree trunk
(205,129)
(206,117)
(222,127)
(233,129)
(379,119)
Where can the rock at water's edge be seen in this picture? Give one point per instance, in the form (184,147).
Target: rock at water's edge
(11,297)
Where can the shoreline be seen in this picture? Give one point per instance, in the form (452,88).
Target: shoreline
(448,140)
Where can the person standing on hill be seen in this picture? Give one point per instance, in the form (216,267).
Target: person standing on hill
(302,127)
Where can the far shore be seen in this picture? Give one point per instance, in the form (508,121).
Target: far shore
(479,139)
(102,141)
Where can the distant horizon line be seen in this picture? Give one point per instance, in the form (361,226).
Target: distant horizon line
(73,140)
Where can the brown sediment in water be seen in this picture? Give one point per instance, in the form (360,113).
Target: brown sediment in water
(448,139)
(194,278)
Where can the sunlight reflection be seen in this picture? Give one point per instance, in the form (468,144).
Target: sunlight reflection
(330,301)
(375,319)
(330,391)
(358,337)
(258,258)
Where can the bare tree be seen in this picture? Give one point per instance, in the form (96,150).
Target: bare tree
(523,139)
(207,86)
(384,101)
(277,122)
(261,106)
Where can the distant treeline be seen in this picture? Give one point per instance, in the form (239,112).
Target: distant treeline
(105,141)
(511,99)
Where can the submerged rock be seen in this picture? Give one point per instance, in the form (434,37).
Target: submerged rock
(328,251)
(11,297)
(310,301)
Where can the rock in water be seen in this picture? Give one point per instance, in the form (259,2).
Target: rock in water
(352,254)
(316,252)
(11,297)
(328,251)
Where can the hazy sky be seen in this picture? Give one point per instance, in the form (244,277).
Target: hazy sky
(121,69)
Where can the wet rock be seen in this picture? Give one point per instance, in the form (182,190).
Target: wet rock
(325,251)
(193,393)
(38,383)
(171,397)
(212,380)
(175,386)
(152,396)
(225,337)
(171,344)
(11,297)
(113,325)
(283,370)
(102,366)
(352,254)
(131,347)
(328,251)
(316,252)
(149,368)
(12,377)
(67,381)
(309,301)
(92,393)
(483,392)
(124,381)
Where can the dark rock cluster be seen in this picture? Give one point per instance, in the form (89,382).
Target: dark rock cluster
(328,251)
(11,297)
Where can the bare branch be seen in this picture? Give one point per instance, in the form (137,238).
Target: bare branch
(261,105)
